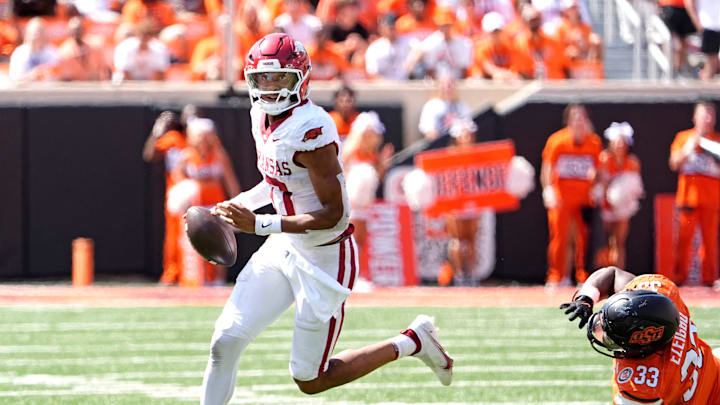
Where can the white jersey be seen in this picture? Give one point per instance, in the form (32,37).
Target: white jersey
(307,127)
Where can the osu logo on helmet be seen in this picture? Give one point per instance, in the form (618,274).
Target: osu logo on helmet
(277,71)
(647,335)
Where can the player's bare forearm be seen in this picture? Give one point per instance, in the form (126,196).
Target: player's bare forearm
(324,170)
(609,280)
(545,174)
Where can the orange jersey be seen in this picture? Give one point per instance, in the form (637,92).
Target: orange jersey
(343,127)
(573,166)
(699,175)
(577,35)
(540,57)
(208,172)
(170,144)
(499,54)
(684,373)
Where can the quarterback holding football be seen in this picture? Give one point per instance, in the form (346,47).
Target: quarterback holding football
(646,327)
(310,256)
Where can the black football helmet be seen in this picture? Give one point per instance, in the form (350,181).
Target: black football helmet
(633,324)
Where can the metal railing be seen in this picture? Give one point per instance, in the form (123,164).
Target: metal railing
(613,8)
(660,52)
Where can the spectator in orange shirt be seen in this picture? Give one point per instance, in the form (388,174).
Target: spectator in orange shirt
(80,60)
(676,17)
(538,55)
(698,194)
(417,22)
(569,166)
(493,52)
(578,38)
(619,173)
(327,59)
(160,12)
(344,112)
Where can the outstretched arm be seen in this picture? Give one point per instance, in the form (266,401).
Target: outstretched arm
(600,285)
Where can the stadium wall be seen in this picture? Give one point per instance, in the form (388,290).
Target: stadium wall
(72,170)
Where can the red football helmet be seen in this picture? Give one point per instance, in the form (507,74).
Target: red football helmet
(277,71)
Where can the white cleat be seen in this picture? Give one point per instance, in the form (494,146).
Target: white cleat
(431,351)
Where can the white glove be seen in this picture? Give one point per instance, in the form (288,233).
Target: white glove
(550,198)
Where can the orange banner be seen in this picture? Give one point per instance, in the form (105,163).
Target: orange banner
(469,179)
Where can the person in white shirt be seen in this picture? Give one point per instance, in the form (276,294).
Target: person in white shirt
(34,59)
(551,12)
(141,57)
(387,56)
(442,111)
(705,14)
(297,22)
(444,52)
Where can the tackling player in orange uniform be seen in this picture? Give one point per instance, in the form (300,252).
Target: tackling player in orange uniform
(646,327)
(569,166)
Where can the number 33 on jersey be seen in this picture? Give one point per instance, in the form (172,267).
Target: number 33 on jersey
(684,373)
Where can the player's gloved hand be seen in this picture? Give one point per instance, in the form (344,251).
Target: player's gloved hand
(581,307)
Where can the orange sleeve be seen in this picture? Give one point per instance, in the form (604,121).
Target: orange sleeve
(169,140)
(679,141)
(549,154)
(634,163)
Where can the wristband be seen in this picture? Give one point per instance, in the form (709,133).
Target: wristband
(266,224)
(590,291)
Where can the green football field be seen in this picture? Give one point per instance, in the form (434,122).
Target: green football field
(60,355)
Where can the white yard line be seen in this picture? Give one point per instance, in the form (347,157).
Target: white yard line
(104,385)
(263,346)
(251,356)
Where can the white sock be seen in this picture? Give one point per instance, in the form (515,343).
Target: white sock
(403,345)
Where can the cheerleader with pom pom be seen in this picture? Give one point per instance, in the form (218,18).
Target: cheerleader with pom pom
(619,172)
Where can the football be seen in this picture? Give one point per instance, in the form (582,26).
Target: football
(212,238)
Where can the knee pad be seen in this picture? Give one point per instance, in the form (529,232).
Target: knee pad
(228,341)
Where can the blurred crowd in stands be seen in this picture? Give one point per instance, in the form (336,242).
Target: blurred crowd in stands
(181,40)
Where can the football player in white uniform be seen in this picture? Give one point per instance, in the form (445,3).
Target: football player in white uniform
(310,257)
